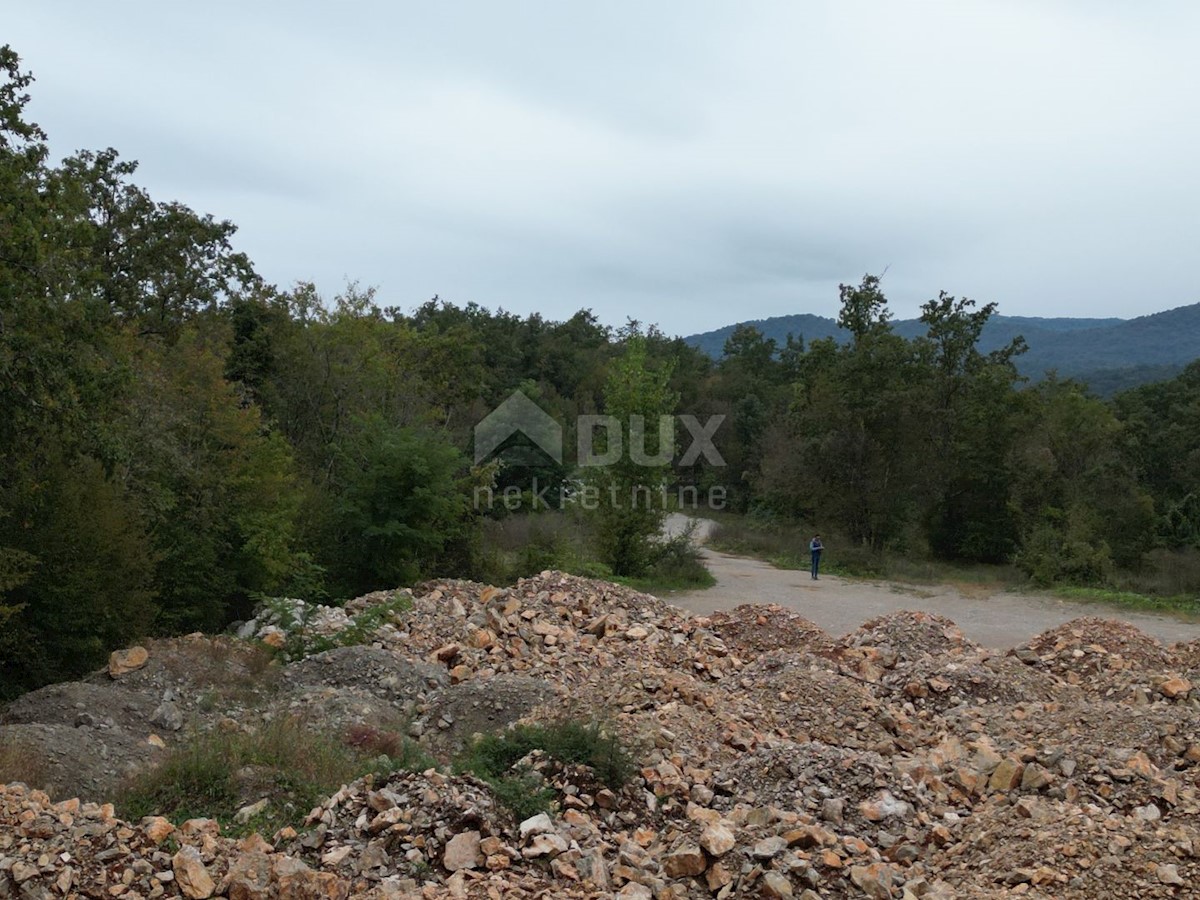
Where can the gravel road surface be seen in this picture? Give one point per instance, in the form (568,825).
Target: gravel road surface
(999,619)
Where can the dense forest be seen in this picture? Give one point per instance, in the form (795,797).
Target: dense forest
(179,439)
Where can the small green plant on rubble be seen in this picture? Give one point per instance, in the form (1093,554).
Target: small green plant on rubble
(300,642)
(290,765)
(495,758)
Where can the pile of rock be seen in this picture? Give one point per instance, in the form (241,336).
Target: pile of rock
(900,761)
(1107,658)
(90,735)
(749,630)
(73,849)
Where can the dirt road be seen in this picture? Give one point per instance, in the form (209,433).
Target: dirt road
(994,619)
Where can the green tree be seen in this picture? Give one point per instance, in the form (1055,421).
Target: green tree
(1078,503)
(400,508)
(630,511)
(91,586)
(154,265)
(848,453)
(219,487)
(864,311)
(749,389)
(1162,432)
(969,414)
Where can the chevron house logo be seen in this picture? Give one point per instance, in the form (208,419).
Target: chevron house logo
(518,415)
(536,488)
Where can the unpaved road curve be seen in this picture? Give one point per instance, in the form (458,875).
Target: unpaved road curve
(993,619)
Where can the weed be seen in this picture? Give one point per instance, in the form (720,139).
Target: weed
(495,758)
(215,774)
(301,642)
(493,755)
(420,869)
(523,794)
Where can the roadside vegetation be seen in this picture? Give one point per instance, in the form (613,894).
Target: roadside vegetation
(524,545)
(1187,604)
(1159,585)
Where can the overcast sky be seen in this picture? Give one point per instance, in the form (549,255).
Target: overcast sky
(686,163)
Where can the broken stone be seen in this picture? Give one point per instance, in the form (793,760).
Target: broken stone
(191,875)
(463,852)
(122,662)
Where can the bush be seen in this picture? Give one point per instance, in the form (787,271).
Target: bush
(522,794)
(523,545)
(675,564)
(495,758)
(293,767)
(1050,556)
(300,642)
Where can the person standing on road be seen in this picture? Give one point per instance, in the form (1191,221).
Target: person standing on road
(814,549)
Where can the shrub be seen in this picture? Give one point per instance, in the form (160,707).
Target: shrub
(522,794)
(300,642)
(1050,556)
(215,774)
(495,758)
(675,564)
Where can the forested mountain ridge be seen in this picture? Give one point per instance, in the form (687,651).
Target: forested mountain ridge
(1111,353)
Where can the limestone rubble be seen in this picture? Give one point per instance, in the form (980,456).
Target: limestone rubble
(773,760)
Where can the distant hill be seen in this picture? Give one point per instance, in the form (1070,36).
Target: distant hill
(1109,354)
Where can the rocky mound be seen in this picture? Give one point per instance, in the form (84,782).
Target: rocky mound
(750,630)
(1103,656)
(900,761)
(908,635)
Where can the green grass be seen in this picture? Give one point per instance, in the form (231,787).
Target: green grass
(495,757)
(661,585)
(1181,603)
(215,774)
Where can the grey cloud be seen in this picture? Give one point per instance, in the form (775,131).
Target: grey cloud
(690,163)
